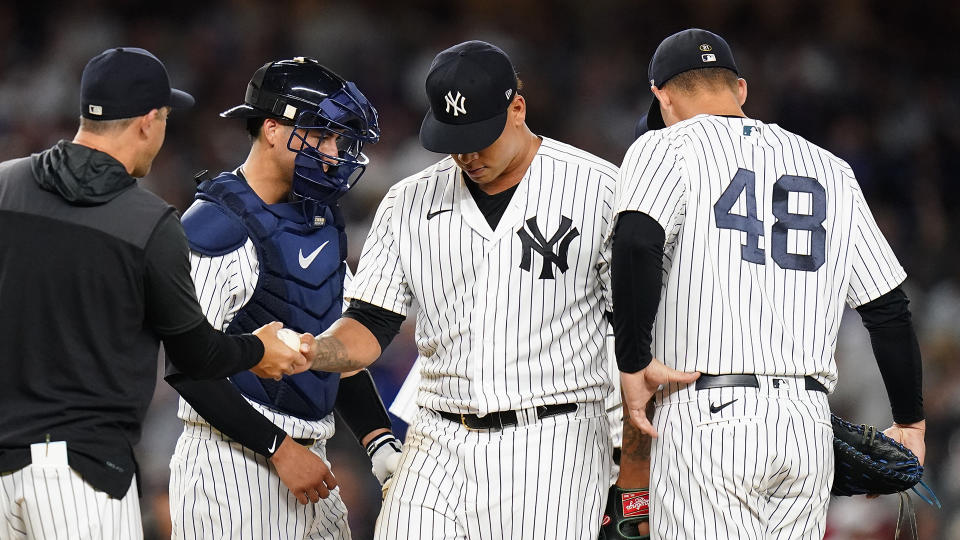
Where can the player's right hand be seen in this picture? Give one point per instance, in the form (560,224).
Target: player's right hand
(304,473)
(639,387)
(278,358)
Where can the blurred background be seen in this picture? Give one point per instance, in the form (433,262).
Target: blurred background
(874,82)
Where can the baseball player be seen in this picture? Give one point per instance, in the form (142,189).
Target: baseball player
(500,244)
(267,242)
(759,236)
(94,275)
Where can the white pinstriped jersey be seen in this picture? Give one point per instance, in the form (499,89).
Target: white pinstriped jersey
(510,318)
(224,285)
(766,236)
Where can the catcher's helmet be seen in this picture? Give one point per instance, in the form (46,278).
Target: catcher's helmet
(304,92)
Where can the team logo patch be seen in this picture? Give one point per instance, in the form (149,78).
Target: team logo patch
(635,504)
(458,103)
(706,47)
(535,241)
(709,57)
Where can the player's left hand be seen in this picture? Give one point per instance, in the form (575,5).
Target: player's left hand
(639,387)
(384,452)
(304,473)
(911,436)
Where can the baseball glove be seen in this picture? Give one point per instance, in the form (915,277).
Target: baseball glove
(626,510)
(870,463)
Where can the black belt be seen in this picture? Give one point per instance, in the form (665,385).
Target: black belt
(748,379)
(502,419)
(305,442)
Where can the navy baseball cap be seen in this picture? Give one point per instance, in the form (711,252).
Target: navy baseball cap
(470,87)
(687,50)
(125,82)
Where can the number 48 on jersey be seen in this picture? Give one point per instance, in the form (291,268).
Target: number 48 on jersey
(745,180)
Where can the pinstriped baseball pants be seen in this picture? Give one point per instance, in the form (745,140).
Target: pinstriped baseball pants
(542,479)
(55,502)
(742,463)
(221,490)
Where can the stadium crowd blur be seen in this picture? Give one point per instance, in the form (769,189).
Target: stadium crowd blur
(876,83)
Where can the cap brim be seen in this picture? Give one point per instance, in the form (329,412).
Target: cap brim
(641,128)
(445,138)
(180,99)
(653,116)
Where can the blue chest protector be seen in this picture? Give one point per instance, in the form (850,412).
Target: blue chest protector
(301,248)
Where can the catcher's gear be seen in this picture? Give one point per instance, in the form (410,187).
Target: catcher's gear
(870,463)
(303,92)
(626,510)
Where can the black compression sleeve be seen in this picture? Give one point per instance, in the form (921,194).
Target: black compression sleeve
(359,405)
(205,353)
(636,275)
(221,404)
(382,323)
(897,352)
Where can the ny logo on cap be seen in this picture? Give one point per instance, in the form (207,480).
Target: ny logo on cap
(458,103)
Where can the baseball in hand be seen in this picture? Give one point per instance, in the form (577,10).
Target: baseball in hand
(291,338)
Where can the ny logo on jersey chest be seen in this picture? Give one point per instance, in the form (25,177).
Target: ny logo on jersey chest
(534,240)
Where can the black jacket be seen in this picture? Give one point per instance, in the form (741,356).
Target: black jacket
(94,271)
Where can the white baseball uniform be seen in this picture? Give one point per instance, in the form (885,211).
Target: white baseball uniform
(219,488)
(766,236)
(510,318)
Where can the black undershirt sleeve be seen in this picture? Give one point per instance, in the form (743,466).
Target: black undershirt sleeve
(205,353)
(359,405)
(221,404)
(382,323)
(897,351)
(636,276)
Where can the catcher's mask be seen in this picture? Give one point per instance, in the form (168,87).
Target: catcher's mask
(314,98)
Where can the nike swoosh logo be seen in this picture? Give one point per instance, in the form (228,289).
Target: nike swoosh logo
(273,446)
(717,408)
(431,215)
(305,261)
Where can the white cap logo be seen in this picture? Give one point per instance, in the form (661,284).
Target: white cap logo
(95,109)
(290,112)
(458,103)
(508,93)
(709,57)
